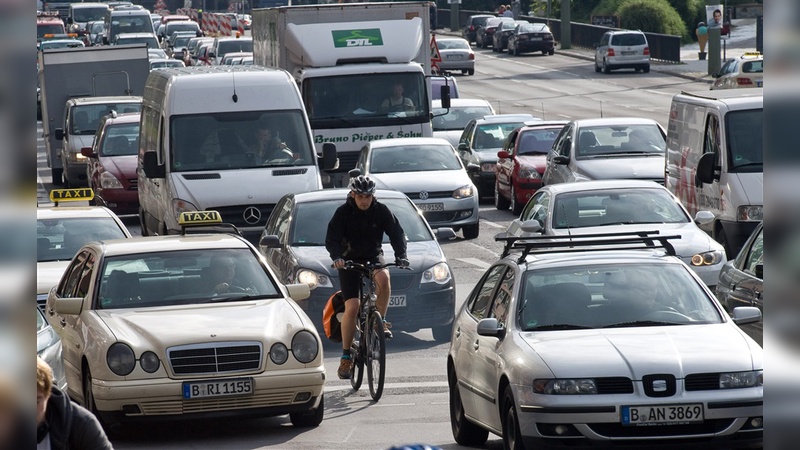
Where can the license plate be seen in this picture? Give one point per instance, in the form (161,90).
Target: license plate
(628,53)
(536,39)
(218,388)
(454,57)
(662,414)
(431,206)
(397,301)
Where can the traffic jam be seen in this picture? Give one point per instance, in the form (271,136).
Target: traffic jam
(184,250)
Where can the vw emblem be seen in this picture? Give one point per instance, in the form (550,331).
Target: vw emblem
(659,385)
(423,195)
(251,215)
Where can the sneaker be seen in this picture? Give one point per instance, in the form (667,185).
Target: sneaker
(345,366)
(386,331)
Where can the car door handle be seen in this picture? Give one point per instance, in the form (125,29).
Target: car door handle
(476,345)
(156,184)
(458,332)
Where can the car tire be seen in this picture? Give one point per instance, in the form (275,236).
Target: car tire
(646,69)
(471,231)
(500,202)
(516,208)
(464,72)
(442,333)
(471,72)
(722,238)
(552,52)
(309,419)
(58,176)
(606,69)
(464,432)
(596,67)
(512,437)
(544,52)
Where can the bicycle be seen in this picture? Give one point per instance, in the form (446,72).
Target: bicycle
(369,342)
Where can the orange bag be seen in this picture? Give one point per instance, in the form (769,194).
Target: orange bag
(331,317)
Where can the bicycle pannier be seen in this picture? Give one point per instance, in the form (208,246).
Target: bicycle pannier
(332,317)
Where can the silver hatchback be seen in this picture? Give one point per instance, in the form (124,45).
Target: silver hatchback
(623,49)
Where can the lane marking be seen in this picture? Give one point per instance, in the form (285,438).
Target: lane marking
(475,262)
(491,224)
(428,384)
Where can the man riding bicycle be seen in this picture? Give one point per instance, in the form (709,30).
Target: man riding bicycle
(355,233)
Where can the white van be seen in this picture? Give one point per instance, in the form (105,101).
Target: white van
(197,146)
(715,160)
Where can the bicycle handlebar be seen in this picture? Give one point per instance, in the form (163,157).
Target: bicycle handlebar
(366,268)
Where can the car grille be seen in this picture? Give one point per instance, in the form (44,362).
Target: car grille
(616,430)
(701,382)
(666,380)
(614,385)
(235,214)
(438,194)
(401,281)
(133,184)
(259,400)
(204,359)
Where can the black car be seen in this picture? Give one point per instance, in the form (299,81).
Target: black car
(470,30)
(423,297)
(531,37)
(485,35)
(741,281)
(503,32)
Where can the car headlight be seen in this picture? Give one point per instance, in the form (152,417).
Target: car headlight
(707,258)
(313,279)
(749,213)
(149,362)
(76,157)
(579,386)
(180,205)
(305,347)
(109,181)
(487,167)
(734,380)
(463,192)
(120,359)
(440,273)
(278,353)
(529,173)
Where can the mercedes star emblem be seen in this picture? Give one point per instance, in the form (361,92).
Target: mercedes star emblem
(251,215)
(423,195)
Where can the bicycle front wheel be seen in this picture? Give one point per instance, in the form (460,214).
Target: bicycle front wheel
(376,355)
(357,353)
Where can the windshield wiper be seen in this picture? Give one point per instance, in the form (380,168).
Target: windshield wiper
(760,164)
(558,326)
(235,298)
(641,323)
(305,244)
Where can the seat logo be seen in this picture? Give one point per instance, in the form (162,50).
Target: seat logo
(659,385)
(251,215)
(423,195)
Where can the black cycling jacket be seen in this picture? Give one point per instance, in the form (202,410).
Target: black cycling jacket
(357,235)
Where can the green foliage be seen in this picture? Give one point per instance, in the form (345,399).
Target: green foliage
(655,16)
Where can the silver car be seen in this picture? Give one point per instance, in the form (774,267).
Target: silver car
(430,173)
(593,345)
(623,49)
(456,54)
(450,123)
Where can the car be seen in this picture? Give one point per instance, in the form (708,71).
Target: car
(741,281)
(430,173)
(622,49)
(456,54)
(148,39)
(747,71)
(245,20)
(485,34)
(502,33)
(449,123)
(479,143)
(423,297)
(111,163)
(176,46)
(60,43)
(126,21)
(521,163)
(180,26)
(156,53)
(190,325)
(61,231)
(573,343)
(594,149)
(531,37)
(94,31)
(164,63)
(228,59)
(225,44)
(436,86)
(48,347)
(475,21)
(244,61)
(622,206)
(190,55)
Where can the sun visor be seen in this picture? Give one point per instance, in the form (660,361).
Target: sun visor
(331,44)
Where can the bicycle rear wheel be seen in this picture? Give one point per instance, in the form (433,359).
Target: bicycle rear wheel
(357,353)
(376,355)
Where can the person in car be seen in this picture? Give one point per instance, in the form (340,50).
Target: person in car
(397,102)
(269,147)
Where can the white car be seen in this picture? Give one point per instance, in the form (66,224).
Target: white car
(622,49)
(430,173)
(185,325)
(456,54)
(746,71)
(592,345)
(450,123)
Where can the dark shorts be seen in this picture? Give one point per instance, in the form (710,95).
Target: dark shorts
(350,281)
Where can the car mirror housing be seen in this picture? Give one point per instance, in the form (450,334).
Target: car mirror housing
(743,315)
(151,167)
(69,306)
(329,159)
(703,217)
(531,226)
(491,328)
(462,146)
(445,233)
(473,168)
(59,134)
(269,241)
(87,152)
(760,271)
(561,159)
(299,291)
(503,154)
(706,169)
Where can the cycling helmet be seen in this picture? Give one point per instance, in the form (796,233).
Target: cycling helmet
(362,185)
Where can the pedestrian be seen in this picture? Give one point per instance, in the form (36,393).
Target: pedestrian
(501,11)
(508,12)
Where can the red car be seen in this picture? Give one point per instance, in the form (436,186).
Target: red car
(111,167)
(521,163)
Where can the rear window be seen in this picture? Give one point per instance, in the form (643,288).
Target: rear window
(479,20)
(753,67)
(628,39)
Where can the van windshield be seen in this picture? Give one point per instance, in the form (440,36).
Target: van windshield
(88,14)
(745,143)
(239,140)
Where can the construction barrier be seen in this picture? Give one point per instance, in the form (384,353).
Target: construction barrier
(215,24)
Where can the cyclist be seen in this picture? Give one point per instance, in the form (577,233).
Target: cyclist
(355,232)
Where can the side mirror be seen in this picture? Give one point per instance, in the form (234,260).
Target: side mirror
(445,96)
(595,44)
(561,159)
(760,271)
(354,173)
(503,154)
(299,291)
(445,234)
(105,40)
(705,169)
(211,54)
(59,134)
(70,21)
(531,226)
(69,306)
(742,315)
(473,168)
(329,159)
(87,152)
(489,327)
(715,75)
(269,241)
(462,146)
(151,167)
(703,217)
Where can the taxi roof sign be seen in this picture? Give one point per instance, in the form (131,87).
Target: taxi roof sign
(197,218)
(71,195)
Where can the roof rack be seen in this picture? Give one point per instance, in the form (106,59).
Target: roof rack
(586,243)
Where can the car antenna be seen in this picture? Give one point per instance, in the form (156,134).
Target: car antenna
(234,97)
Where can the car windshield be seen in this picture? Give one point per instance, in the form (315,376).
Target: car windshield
(613,295)
(234,45)
(413,158)
(533,28)
(87,14)
(620,140)
(457,117)
(47,28)
(186,25)
(60,239)
(156,53)
(538,141)
(84,119)
(745,143)
(598,208)
(161,63)
(628,39)
(181,41)
(310,223)
(60,44)
(491,136)
(121,140)
(131,24)
(183,277)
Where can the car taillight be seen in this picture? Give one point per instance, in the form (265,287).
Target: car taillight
(548,37)
(647,51)
(610,52)
(471,56)
(472,28)
(744,82)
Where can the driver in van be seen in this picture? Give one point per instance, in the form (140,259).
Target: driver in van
(397,102)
